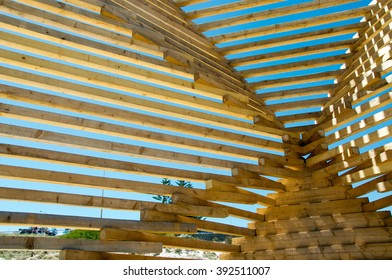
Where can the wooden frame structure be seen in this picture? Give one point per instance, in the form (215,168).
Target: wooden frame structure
(294,117)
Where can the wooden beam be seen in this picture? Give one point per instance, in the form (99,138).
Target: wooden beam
(345,206)
(124,185)
(167,241)
(335,168)
(70,254)
(294,25)
(57,244)
(347,154)
(378,204)
(386,185)
(300,37)
(294,66)
(292,53)
(328,222)
(75,13)
(178,198)
(109,203)
(90,223)
(368,187)
(317,195)
(370,251)
(301,92)
(315,238)
(154,216)
(269,14)
(228,8)
(376,169)
(325,76)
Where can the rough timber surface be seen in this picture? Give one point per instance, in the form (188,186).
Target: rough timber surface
(102,99)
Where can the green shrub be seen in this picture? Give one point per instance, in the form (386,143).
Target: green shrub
(82,234)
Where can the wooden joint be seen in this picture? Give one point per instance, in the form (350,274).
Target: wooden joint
(141,38)
(232,101)
(111,12)
(260,120)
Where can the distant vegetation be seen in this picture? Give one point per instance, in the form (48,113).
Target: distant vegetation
(82,234)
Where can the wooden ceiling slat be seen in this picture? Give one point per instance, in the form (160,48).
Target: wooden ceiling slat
(290,26)
(273,13)
(292,39)
(292,53)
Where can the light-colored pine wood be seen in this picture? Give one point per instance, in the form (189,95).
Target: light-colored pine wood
(319,223)
(256,32)
(317,238)
(167,241)
(70,254)
(154,216)
(57,244)
(89,223)
(313,209)
(323,194)
(110,203)
(341,252)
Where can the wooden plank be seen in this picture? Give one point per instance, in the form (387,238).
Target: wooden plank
(269,14)
(113,98)
(294,66)
(272,171)
(122,85)
(183,3)
(355,79)
(94,6)
(100,163)
(167,241)
(367,187)
(292,53)
(183,38)
(109,203)
(378,169)
(155,216)
(301,92)
(75,13)
(378,204)
(121,184)
(228,8)
(315,238)
(328,222)
(325,76)
(375,251)
(99,128)
(386,185)
(114,148)
(346,154)
(92,33)
(314,209)
(47,243)
(91,255)
(233,211)
(248,183)
(297,105)
(97,49)
(90,223)
(119,69)
(317,195)
(300,37)
(294,25)
(335,168)
(363,124)
(213,185)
